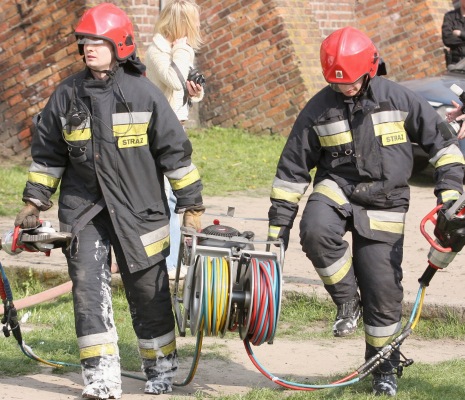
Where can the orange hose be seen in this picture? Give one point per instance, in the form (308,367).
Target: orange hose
(46,295)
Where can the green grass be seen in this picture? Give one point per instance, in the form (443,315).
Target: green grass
(229,160)
(12,180)
(49,331)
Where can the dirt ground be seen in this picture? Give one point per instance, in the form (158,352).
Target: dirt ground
(303,361)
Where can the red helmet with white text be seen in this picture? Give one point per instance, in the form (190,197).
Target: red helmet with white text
(108,22)
(348,54)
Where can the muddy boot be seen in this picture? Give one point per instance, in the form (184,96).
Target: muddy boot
(384,384)
(102,377)
(348,315)
(160,373)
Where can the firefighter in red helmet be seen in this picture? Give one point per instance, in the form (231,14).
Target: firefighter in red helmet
(357,133)
(108,136)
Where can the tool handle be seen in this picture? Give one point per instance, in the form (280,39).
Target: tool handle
(431,216)
(425,279)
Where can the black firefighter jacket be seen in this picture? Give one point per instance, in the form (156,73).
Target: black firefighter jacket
(453,20)
(125,138)
(365,147)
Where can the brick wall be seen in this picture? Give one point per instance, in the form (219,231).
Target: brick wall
(261,58)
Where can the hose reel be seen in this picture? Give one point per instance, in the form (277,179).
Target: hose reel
(229,285)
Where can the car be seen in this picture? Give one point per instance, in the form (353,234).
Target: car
(437,90)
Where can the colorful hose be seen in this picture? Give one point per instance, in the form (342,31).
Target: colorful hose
(363,370)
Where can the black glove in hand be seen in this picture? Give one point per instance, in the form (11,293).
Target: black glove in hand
(28,217)
(279,232)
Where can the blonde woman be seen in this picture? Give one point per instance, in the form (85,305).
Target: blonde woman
(177,36)
(169,59)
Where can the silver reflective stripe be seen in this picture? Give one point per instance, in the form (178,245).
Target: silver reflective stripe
(98,338)
(333,128)
(84,125)
(133,117)
(386,216)
(56,172)
(155,236)
(449,150)
(179,173)
(383,331)
(158,342)
(292,187)
(335,267)
(388,116)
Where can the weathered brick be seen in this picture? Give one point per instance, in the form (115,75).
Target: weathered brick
(261,59)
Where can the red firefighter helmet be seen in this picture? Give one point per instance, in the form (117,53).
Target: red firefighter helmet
(348,54)
(106,21)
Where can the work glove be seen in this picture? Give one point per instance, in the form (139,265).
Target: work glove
(279,232)
(191,218)
(28,217)
(447,198)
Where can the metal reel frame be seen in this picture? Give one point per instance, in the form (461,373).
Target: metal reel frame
(241,280)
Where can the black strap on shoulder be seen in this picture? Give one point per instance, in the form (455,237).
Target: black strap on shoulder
(183,82)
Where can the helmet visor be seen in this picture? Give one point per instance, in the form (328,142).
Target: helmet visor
(87,40)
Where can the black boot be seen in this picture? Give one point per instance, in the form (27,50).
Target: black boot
(384,384)
(348,315)
(160,373)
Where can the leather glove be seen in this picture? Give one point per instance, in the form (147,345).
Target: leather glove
(447,198)
(28,217)
(279,232)
(191,218)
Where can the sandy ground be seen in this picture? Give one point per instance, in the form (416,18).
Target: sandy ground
(303,361)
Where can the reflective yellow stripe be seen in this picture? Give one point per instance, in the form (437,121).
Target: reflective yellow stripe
(394,138)
(280,194)
(273,231)
(157,247)
(97,350)
(77,134)
(328,192)
(333,279)
(186,180)
(43,179)
(448,195)
(132,141)
(389,128)
(449,159)
(130,129)
(153,354)
(336,140)
(393,227)
(379,341)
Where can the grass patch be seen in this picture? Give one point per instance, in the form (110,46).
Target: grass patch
(232,160)
(12,181)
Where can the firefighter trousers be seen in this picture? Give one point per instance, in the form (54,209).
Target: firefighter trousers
(373,268)
(147,291)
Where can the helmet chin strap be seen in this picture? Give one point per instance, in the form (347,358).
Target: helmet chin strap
(108,72)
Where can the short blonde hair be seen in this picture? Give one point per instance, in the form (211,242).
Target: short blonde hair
(180,18)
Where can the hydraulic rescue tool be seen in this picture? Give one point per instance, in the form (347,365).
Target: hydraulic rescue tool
(234,283)
(40,239)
